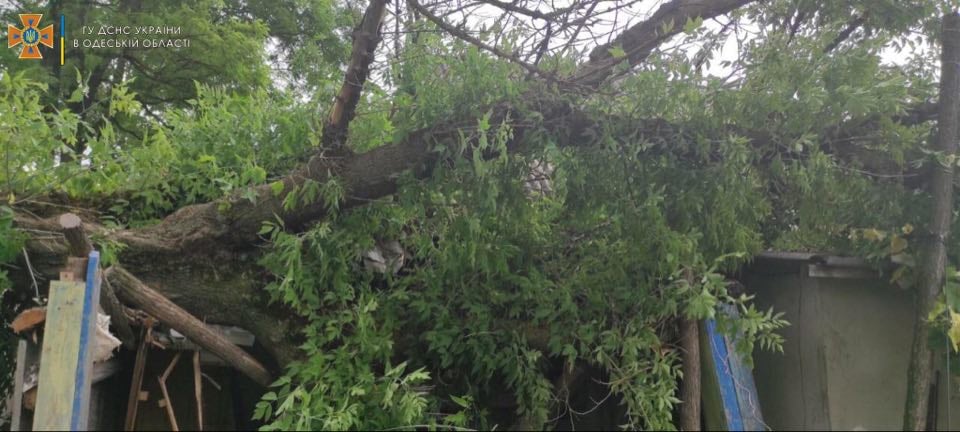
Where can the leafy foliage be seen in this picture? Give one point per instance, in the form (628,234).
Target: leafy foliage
(680,178)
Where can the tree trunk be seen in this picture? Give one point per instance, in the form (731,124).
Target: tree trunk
(934,255)
(690,390)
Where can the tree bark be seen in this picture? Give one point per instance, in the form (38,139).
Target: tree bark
(690,389)
(365,40)
(640,40)
(933,264)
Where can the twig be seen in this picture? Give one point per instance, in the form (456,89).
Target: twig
(33,277)
(458,33)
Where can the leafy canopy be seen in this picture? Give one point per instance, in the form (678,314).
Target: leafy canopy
(682,177)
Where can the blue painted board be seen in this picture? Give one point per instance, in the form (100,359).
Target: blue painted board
(729,392)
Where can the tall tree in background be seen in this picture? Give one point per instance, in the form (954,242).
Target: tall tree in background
(932,272)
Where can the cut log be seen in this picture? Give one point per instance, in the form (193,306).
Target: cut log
(28,319)
(80,246)
(77,240)
(137,293)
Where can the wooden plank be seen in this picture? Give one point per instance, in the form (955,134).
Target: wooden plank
(79,245)
(136,383)
(63,394)
(813,373)
(18,386)
(77,242)
(58,363)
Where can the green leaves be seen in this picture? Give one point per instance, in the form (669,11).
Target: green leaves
(617,52)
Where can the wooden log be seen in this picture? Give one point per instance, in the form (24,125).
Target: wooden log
(77,241)
(79,245)
(111,305)
(137,293)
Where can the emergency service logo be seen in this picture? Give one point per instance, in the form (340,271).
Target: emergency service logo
(30,37)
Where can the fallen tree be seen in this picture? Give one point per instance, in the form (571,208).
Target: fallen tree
(202,256)
(207,259)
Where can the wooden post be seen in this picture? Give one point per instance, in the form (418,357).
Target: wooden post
(934,253)
(166,403)
(80,246)
(18,386)
(151,302)
(63,394)
(198,388)
(136,382)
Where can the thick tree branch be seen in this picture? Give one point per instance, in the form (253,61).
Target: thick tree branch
(365,40)
(844,34)
(640,40)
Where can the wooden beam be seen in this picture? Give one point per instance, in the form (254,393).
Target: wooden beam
(137,293)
